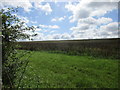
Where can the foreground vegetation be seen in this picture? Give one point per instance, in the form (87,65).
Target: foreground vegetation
(12,28)
(52,70)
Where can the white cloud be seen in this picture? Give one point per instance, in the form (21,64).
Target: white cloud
(72,0)
(109,30)
(24,19)
(25,4)
(104,20)
(53,36)
(90,23)
(89,27)
(54,26)
(38,29)
(54,20)
(43,26)
(40,36)
(64,36)
(85,9)
(49,26)
(93,21)
(33,22)
(81,27)
(58,19)
(52,32)
(110,27)
(46,8)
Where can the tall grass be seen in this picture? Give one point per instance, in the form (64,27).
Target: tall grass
(51,70)
(108,48)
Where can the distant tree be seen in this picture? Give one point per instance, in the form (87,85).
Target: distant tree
(13,29)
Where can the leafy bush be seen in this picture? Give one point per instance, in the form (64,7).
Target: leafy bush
(12,30)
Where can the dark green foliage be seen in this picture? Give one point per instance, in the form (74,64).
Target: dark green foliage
(12,30)
(108,48)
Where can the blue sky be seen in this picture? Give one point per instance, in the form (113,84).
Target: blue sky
(40,17)
(66,21)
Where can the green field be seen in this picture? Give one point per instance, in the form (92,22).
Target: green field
(53,70)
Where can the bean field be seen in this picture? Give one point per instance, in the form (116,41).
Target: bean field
(108,48)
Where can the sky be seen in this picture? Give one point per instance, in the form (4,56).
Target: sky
(63,20)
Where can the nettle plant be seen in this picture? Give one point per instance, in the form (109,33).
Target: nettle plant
(13,29)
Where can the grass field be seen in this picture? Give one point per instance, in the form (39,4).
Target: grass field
(52,70)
